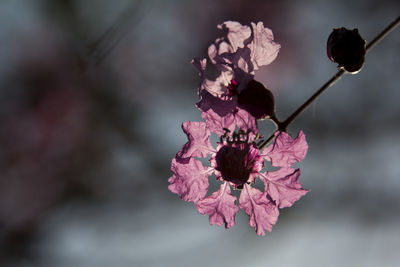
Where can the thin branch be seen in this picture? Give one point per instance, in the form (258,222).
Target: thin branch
(283,125)
(103,46)
(383,34)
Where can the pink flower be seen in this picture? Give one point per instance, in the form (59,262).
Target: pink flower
(229,101)
(237,163)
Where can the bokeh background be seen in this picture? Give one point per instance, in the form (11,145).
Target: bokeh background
(92,96)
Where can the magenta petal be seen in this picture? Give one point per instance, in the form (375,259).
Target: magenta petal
(245,121)
(220,206)
(283,186)
(199,144)
(263,49)
(285,151)
(217,123)
(221,106)
(190,180)
(222,113)
(239,117)
(262,212)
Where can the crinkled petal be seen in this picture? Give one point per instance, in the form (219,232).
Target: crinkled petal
(189,180)
(237,33)
(220,206)
(283,186)
(217,87)
(216,51)
(262,212)
(217,123)
(238,117)
(285,151)
(199,144)
(222,107)
(263,49)
(245,121)
(250,48)
(241,64)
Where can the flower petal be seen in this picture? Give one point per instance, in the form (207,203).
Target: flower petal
(238,117)
(245,121)
(217,87)
(285,151)
(199,144)
(237,33)
(190,179)
(217,123)
(263,49)
(220,206)
(216,51)
(249,50)
(242,66)
(262,212)
(221,106)
(283,186)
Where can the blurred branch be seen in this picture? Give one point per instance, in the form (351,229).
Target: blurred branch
(66,12)
(110,107)
(115,33)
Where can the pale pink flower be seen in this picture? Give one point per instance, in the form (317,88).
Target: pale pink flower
(238,162)
(236,57)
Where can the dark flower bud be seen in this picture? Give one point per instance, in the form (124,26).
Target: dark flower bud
(257,100)
(347,48)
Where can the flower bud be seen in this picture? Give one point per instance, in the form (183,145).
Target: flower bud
(347,48)
(257,100)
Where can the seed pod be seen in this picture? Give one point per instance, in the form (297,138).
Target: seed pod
(347,48)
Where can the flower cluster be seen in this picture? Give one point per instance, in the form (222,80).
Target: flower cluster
(234,98)
(235,101)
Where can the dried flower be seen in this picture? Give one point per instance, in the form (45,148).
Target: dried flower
(237,163)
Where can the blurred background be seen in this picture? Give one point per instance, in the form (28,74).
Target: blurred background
(92,96)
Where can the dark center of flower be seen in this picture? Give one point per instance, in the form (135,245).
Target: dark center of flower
(234,163)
